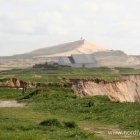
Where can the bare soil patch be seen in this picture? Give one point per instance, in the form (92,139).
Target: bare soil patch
(10,104)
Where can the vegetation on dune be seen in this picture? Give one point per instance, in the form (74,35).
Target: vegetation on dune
(57,113)
(9,94)
(51,122)
(60,74)
(128,70)
(29,123)
(63,103)
(54,113)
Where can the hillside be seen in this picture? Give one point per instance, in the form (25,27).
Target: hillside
(80,46)
(56,112)
(116,59)
(76,47)
(104,57)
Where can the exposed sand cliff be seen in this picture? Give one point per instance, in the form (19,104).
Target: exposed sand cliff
(13,82)
(127,89)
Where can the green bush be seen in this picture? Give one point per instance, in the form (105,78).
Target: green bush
(50,122)
(70,124)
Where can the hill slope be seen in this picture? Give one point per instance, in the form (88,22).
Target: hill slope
(103,56)
(76,47)
(116,59)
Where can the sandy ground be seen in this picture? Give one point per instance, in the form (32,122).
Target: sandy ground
(81,46)
(10,104)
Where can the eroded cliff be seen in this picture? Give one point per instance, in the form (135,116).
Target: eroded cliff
(126,90)
(14,82)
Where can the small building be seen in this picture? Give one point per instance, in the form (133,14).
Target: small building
(78,60)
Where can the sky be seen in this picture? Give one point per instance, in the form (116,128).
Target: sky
(26,25)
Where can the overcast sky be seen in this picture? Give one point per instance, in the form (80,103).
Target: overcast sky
(26,25)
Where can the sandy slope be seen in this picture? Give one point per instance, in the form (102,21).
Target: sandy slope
(104,57)
(126,90)
(77,47)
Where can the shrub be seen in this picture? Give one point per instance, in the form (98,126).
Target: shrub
(50,122)
(70,124)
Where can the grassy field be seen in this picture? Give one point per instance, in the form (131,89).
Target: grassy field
(35,123)
(128,70)
(9,94)
(51,75)
(58,114)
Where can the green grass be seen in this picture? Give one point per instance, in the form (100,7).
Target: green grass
(56,75)
(62,102)
(57,113)
(9,94)
(30,123)
(51,122)
(128,70)
(51,75)
(70,124)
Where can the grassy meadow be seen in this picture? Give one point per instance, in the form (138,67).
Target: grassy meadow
(55,113)
(51,75)
(128,70)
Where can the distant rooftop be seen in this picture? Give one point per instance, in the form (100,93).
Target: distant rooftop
(79,59)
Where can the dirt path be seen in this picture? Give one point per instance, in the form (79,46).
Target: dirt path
(103,131)
(10,104)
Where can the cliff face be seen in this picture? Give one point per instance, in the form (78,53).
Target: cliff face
(13,82)
(126,90)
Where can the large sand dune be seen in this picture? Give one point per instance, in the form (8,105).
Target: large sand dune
(77,47)
(103,56)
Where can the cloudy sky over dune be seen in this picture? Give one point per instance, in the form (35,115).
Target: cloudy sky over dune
(26,25)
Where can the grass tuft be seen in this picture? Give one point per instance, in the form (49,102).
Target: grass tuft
(50,122)
(70,124)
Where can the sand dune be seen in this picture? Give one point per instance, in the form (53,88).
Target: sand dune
(103,56)
(77,47)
